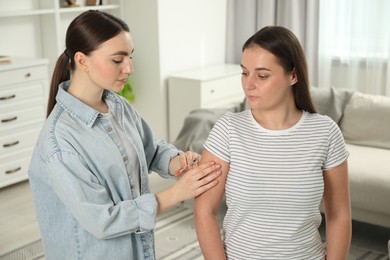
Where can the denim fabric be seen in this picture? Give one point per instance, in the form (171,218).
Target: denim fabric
(82,187)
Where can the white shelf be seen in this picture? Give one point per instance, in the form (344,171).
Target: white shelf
(86,8)
(26,13)
(37,28)
(60,10)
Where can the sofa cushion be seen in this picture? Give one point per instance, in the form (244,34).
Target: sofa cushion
(369,178)
(330,101)
(366,120)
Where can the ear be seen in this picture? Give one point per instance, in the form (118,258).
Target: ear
(81,61)
(294,78)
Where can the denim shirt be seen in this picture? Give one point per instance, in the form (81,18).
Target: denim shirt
(82,187)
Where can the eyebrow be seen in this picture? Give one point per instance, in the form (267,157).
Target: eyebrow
(123,53)
(261,68)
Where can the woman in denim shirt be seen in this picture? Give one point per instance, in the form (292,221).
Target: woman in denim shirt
(89,169)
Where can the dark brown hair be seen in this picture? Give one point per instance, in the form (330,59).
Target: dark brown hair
(85,33)
(282,43)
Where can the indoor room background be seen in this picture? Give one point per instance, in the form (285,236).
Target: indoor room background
(346,47)
(346,43)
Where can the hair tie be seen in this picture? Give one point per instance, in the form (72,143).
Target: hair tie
(67,54)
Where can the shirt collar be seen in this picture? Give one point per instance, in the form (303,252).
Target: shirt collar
(77,108)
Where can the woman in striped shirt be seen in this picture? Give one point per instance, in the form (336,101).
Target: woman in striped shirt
(280,159)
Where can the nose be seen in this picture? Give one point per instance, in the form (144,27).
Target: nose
(128,66)
(248,82)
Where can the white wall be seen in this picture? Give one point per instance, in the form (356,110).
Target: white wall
(171,36)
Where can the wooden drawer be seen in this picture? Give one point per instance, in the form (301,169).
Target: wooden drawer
(14,142)
(14,169)
(19,93)
(23,75)
(23,95)
(20,118)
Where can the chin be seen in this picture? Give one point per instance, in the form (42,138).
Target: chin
(251,103)
(117,88)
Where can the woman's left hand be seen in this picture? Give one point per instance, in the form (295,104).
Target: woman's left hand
(183,162)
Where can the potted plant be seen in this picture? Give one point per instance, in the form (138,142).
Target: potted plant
(127,92)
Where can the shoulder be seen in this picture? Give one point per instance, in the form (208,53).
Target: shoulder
(321,124)
(234,118)
(58,130)
(318,119)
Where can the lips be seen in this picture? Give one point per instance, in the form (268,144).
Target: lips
(251,97)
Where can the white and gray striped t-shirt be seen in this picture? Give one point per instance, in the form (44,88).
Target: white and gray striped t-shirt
(275,184)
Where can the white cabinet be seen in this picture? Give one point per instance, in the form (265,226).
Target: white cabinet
(37,28)
(23,94)
(210,87)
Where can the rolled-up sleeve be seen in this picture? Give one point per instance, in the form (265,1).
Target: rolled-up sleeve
(147,207)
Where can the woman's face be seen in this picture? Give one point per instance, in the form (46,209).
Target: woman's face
(266,84)
(110,64)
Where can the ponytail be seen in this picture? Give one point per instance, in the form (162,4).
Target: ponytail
(61,73)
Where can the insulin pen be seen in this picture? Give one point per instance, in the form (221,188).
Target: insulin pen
(190,164)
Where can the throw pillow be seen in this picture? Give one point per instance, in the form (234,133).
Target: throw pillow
(330,101)
(366,120)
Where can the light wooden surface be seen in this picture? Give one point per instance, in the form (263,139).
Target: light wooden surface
(18,223)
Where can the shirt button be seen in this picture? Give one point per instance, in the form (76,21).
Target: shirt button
(125,159)
(132,186)
(109,129)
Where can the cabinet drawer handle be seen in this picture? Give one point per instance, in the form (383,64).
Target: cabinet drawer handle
(8,97)
(9,119)
(28,75)
(13,170)
(10,144)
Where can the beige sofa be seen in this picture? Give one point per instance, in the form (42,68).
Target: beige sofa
(365,122)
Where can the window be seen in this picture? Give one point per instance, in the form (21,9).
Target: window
(355,28)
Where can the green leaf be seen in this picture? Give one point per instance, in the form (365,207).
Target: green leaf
(127,92)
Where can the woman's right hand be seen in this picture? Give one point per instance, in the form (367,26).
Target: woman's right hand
(197,180)
(189,185)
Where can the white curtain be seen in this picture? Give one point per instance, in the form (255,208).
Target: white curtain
(245,17)
(346,42)
(354,44)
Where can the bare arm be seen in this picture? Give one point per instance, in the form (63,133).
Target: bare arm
(337,212)
(206,210)
(191,184)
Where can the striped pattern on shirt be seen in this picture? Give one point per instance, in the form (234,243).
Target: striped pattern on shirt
(275,184)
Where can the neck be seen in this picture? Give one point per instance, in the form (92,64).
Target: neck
(279,119)
(88,94)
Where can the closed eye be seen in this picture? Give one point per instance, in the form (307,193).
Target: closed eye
(262,76)
(119,61)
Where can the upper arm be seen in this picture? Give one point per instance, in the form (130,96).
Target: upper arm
(211,199)
(336,190)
